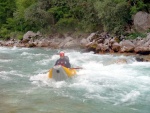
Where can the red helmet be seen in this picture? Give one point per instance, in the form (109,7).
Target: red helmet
(62,54)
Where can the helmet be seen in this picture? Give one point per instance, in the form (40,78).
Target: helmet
(62,54)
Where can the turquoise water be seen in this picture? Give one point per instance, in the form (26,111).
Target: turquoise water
(102,86)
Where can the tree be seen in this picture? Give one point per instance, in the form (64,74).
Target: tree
(113,15)
(139,5)
(38,16)
(7,8)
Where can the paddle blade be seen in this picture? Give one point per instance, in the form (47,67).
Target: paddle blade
(77,68)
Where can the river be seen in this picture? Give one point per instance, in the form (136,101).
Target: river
(102,86)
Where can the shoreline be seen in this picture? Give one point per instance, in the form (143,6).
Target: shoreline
(138,57)
(99,43)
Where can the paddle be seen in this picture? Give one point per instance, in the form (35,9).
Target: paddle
(77,68)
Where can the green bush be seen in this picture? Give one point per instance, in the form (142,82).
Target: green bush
(113,15)
(65,15)
(4,33)
(16,35)
(135,35)
(66,24)
(138,5)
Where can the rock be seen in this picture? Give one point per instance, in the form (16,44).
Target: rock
(148,36)
(139,59)
(31,45)
(84,42)
(142,58)
(140,43)
(71,44)
(104,48)
(66,40)
(126,46)
(106,41)
(143,46)
(121,61)
(141,21)
(43,43)
(116,47)
(147,43)
(112,41)
(28,35)
(89,38)
(142,50)
(9,43)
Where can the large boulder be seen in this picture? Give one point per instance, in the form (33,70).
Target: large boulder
(142,50)
(63,42)
(69,42)
(91,36)
(143,46)
(72,44)
(43,43)
(84,42)
(126,46)
(141,21)
(30,34)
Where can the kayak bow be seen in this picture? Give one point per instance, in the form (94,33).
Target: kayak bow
(60,73)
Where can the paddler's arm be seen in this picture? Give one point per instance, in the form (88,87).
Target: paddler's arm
(56,62)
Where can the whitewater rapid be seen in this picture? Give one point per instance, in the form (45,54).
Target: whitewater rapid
(103,81)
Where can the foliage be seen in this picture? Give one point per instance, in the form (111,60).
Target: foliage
(139,5)
(20,16)
(135,35)
(16,35)
(7,7)
(35,15)
(4,33)
(66,23)
(113,15)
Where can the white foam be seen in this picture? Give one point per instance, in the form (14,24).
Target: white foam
(130,97)
(54,57)
(5,60)
(31,54)
(42,79)
(39,77)
(43,62)
(115,83)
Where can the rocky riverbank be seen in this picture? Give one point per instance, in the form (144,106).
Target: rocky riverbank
(100,43)
(31,39)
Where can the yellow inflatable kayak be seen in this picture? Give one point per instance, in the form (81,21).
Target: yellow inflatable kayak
(59,73)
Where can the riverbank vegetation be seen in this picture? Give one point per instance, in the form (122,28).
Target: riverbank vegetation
(51,16)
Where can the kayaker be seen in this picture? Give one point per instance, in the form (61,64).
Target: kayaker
(63,60)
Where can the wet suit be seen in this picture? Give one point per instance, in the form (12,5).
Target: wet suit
(64,62)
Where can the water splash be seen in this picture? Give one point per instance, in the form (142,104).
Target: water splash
(102,81)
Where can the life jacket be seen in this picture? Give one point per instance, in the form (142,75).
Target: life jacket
(61,62)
